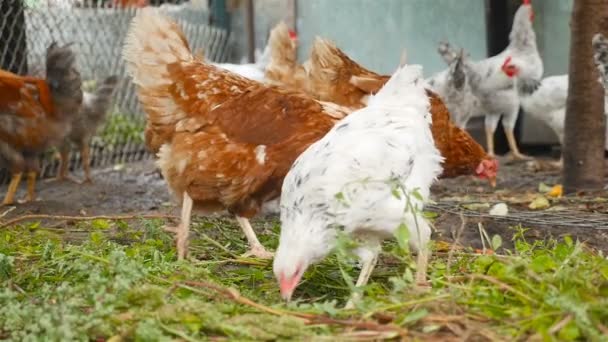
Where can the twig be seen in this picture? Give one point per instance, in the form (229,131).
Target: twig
(7,211)
(559,325)
(175,332)
(234,295)
(406,304)
(85,218)
(249,262)
(454,244)
(218,245)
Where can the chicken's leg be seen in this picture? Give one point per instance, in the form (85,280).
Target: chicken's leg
(490,123)
(9,198)
(31,186)
(366,272)
(63,164)
(256,248)
(422,262)
(64,161)
(513,145)
(85,153)
(182,229)
(490,141)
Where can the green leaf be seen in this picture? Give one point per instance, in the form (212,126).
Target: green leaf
(496,242)
(403,237)
(100,224)
(430,214)
(543,188)
(542,263)
(34,225)
(414,316)
(395,192)
(417,195)
(539,203)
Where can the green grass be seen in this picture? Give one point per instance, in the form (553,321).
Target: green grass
(117,281)
(121,128)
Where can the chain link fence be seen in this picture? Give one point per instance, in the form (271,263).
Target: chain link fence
(98,30)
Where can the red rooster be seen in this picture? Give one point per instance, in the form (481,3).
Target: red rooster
(223,141)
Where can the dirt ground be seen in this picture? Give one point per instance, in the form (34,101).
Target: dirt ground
(136,188)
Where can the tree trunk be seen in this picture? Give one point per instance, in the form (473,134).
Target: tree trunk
(584,132)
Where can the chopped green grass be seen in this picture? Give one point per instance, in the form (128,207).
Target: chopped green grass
(106,280)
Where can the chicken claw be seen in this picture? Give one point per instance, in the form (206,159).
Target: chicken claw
(183,228)
(519,156)
(63,178)
(258,252)
(257,249)
(181,239)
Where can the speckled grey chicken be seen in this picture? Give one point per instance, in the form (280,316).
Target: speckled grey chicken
(93,113)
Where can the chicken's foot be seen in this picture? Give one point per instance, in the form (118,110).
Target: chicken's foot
(366,272)
(9,198)
(558,164)
(183,228)
(513,146)
(422,261)
(62,174)
(256,248)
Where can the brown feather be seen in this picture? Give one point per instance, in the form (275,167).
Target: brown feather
(337,78)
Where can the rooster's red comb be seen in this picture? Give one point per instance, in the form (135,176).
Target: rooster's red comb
(507,61)
(293,34)
(527,2)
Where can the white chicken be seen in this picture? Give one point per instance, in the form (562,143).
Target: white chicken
(359,179)
(253,71)
(495,91)
(545,99)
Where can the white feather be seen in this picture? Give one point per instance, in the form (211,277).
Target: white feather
(548,103)
(253,71)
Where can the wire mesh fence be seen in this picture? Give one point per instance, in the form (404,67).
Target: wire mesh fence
(97,29)
(569,218)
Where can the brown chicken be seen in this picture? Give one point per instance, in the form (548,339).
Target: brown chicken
(223,141)
(84,126)
(283,68)
(335,77)
(35,114)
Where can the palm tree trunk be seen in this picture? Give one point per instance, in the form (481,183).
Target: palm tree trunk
(585,122)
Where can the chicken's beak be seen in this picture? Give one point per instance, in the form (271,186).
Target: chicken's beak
(492,181)
(288,285)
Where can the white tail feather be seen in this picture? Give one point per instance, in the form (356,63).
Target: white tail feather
(404,88)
